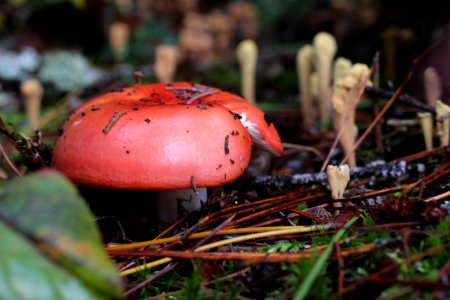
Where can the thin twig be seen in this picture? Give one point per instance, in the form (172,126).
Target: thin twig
(10,163)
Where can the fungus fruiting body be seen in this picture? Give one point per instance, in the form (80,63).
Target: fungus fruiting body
(325,48)
(162,137)
(432,85)
(305,57)
(338,178)
(443,126)
(344,102)
(341,67)
(165,62)
(247,54)
(32,93)
(426,123)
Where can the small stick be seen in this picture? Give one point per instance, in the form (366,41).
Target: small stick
(10,164)
(198,91)
(116,116)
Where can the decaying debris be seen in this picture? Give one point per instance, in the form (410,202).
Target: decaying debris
(382,170)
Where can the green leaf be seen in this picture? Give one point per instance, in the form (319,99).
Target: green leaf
(50,244)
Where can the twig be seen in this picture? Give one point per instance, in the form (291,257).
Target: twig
(438,197)
(392,267)
(155,276)
(406,99)
(290,230)
(303,148)
(10,164)
(171,267)
(171,227)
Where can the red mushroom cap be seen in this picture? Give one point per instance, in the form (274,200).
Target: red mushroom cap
(158,136)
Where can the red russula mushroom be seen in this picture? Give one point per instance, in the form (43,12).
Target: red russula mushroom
(162,137)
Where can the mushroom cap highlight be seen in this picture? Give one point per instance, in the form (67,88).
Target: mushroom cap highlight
(158,136)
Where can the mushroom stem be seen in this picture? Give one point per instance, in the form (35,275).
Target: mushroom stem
(304,68)
(432,83)
(325,48)
(167,202)
(426,122)
(247,54)
(443,127)
(32,97)
(165,62)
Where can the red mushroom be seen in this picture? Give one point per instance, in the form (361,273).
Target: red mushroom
(162,137)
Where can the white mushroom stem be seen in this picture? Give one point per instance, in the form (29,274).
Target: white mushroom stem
(338,178)
(305,58)
(443,127)
(119,34)
(166,57)
(432,84)
(167,202)
(325,48)
(341,68)
(247,55)
(426,123)
(344,101)
(32,93)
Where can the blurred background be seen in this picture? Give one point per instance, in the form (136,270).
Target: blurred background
(89,46)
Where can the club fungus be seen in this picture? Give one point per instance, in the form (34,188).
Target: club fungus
(178,138)
(426,123)
(32,93)
(443,126)
(165,62)
(247,54)
(305,57)
(325,48)
(341,68)
(344,101)
(338,178)
(119,34)
(432,85)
